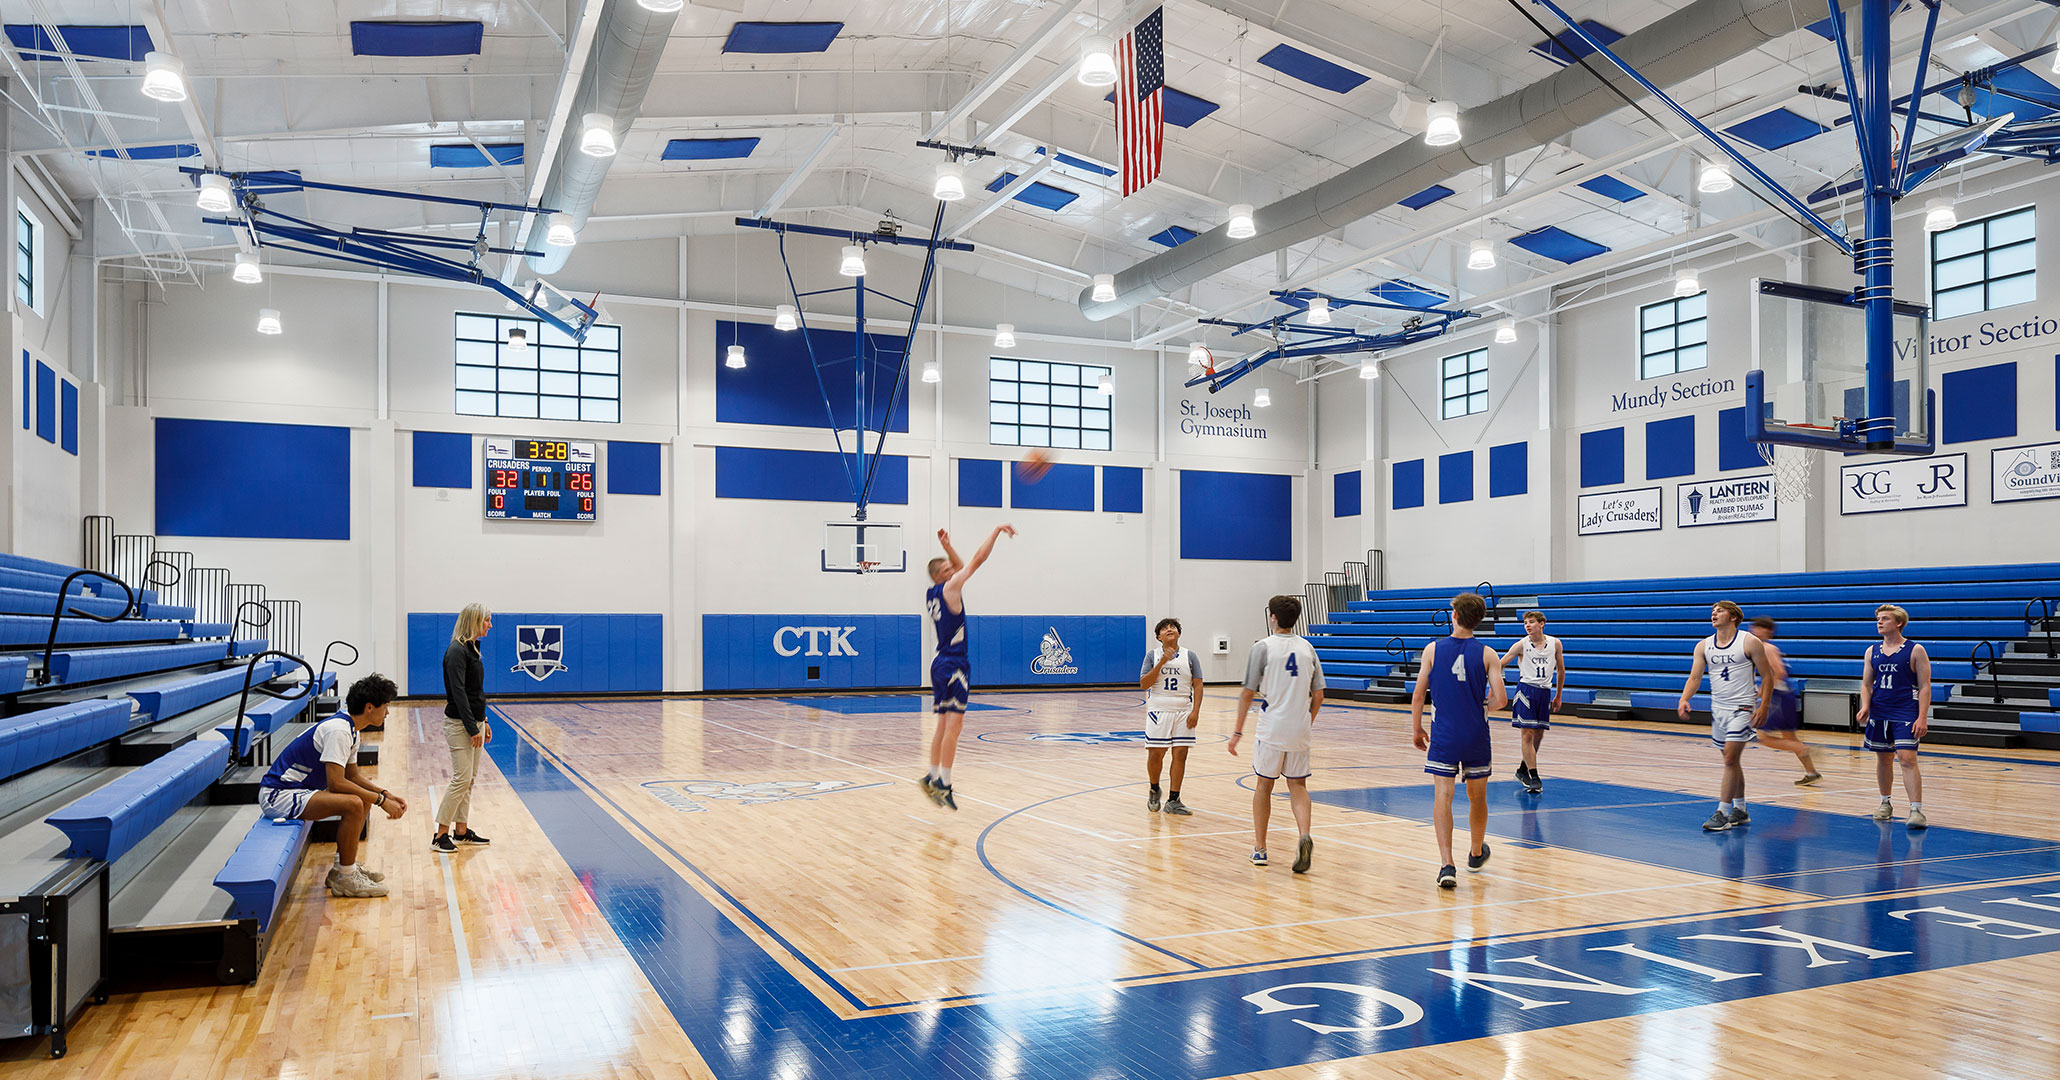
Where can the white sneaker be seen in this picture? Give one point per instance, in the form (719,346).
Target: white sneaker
(355,883)
(1884,812)
(336,869)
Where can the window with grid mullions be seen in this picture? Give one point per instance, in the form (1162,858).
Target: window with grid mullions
(1984,265)
(1465,384)
(24,259)
(1036,403)
(551,378)
(1673,336)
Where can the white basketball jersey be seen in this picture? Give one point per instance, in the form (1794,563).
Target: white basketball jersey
(1734,683)
(1539,664)
(1177,679)
(1285,673)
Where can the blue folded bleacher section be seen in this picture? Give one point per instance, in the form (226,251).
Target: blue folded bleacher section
(32,740)
(1628,641)
(257,875)
(107,823)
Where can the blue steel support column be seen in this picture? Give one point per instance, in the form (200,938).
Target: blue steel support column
(858,408)
(1875,259)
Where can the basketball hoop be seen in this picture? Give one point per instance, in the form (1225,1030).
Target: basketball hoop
(866,566)
(1792,467)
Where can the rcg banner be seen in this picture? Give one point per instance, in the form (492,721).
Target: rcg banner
(1903,484)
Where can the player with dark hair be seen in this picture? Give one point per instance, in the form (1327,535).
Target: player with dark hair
(1172,681)
(316,776)
(1541,683)
(951,670)
(1463,687)
(1784,712)
(1285,678)
(1895,702)
(1737,708)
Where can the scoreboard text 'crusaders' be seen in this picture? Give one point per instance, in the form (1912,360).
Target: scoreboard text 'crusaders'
(539,479)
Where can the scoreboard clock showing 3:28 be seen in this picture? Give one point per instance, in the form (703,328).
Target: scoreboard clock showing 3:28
(539,480)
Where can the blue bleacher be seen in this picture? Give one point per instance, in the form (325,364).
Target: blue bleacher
(199,631)
(14,674)
(257,875)
(159,702)
(268,714)
(38,738)
(252,647)
(93,665)
(18,631)
(107,823)
(43,601)
(172,612)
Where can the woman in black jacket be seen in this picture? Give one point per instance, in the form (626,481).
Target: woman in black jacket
(464,726)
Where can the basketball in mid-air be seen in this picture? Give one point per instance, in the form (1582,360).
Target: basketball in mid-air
(1033,466)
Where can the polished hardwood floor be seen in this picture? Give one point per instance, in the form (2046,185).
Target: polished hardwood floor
(684,887)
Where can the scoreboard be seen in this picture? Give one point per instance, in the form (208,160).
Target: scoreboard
(539,480)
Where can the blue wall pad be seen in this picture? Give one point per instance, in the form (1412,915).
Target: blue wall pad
(633,468)
(1406,485)
(1122,490)
(1567,46)
(382,38)
(1344,494)
(780,388)
(108,822)
(268,481)
(468,156)
(1558,244)
(1978,403)
(1172,236)
(68,416)
(1777,128)
(796,652)
(1735,448)
(1314,70)
(443,459)
(1455,477)
(258,872)
(979,482)
(1055,650)
(1407,293)
(1228,515)
(106,42)
(41,737)
(1038,194)
(573,653)
(46,403)
(804,475)
(1065,487)
(1509,469)
(1427,196)
(1602,457)
(1609,187)
(1670,447)
(709,149)
(781,37)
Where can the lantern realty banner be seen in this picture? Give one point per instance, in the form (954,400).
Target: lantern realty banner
(1727,501)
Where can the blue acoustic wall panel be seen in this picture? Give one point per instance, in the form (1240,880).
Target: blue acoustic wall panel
(979,482)
(1509,469)
(1735,448)
(1344,494)
(1122,490)
(28,391)
(1978,403)
(270,481)
(1065,487)
(804,475)
(796,652)
(68,416)
(46,402)
(1602,457)
(1407,485)
(559,653)
(1455,477)
(1245,516)
(443,459)
(779,386)
(1054,650)
(1669,447)
(634,468)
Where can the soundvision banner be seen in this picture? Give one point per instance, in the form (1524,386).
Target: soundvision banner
(1725,502)
(2018,473)
(1636,510)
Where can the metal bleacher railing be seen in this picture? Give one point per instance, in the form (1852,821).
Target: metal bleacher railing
(2043,622)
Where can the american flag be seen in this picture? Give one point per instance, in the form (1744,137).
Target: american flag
(1141,100)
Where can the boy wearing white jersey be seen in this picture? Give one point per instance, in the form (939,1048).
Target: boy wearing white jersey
(1284,676)
(1737,707)
(1172,682)
(1541,671)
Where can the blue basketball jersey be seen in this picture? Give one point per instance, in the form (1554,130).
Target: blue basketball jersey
(1459,680)
(1895,683)
(301,763)
(950,625)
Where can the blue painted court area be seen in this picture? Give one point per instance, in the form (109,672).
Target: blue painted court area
(1808,851)
(874,703)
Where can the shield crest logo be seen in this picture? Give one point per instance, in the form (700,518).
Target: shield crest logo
(539,651)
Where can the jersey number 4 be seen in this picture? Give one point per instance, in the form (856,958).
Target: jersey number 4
(1459,666)
(1292,670)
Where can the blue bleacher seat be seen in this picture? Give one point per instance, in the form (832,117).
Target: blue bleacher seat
(2053,696)
(257,875)
(92,665)
(174,612)
(201,630)
(107,823)
(17,631)
(172,699)
(45,583)
(42,602)
(249,648)
(14,674)
(38,738)
(269,714)
(2047,722)
(35,566)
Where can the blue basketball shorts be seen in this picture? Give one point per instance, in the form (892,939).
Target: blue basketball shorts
(1531,706)
(950,684)
(1888,735)
(1459,750)
(1784,713)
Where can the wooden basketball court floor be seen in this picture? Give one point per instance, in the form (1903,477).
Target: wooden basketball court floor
(754,887)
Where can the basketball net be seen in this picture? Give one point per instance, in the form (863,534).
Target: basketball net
(1792,467)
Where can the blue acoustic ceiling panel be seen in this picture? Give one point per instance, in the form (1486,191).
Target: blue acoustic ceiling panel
(1081,163)
(1314,70)
(468,156)
(1427,196)
(1602,457)
(1558,245)
(1775,129)
(163,152)
(397,38)
(709,149)
(1567,47)
(106,42)
(1182,110)
(1038,194)
(1609,187)
(979,482)
(1407,293)
(2020,83)
(1406,485)
(781,37)
(1173,236)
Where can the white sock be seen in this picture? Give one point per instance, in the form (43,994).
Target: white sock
(944,777)
(1739,803)
(1886,801)
(1916,806)
(1723,806)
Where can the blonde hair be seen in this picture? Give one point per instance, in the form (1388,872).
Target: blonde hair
(471,623)
(1901,617)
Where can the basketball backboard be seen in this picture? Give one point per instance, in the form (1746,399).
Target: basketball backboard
(1808,386)
(863,547)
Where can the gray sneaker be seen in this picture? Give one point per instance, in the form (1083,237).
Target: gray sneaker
(1302,854)
(1718,822)
(1885,812)
(1258,856)
(1740,817)
(1917,821)
(1151,801)
(336,871)
(1175,806)
(353,883)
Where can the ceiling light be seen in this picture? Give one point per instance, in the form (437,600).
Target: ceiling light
(518,340)
(1198,354)
(1241,225)
(1505,332)
(1715,177)
(164,77)
(268,321)
(930,372)
(560,233)
(597,135)
(785,318)
(1106,385)
(1369,369)
(1480,255)
(662,7)
(1261,398)
(1005,335)
(853,264)
(1938,213)
(216,196)
(1097,60)
(1686,284)
(247,270)
(735,358)
(950,185)
(1104,288)
(1319,310)
(1441,123)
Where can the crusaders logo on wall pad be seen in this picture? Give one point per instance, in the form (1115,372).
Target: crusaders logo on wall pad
(539,651)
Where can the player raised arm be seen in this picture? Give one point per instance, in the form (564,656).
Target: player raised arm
(1419,736)
(1920,666)
(1867,683)
(1694,681)
(957,581)
(950,553)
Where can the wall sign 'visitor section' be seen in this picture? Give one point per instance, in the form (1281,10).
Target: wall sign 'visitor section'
(540,479)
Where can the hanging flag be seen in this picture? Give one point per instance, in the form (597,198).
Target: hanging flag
(1141,100)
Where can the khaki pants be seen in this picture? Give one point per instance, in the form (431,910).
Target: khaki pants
(457,798)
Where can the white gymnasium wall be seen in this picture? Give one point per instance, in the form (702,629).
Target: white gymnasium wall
(44,481)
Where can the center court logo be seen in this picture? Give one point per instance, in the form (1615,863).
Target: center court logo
(1053,658)
(682,795)
(539,651)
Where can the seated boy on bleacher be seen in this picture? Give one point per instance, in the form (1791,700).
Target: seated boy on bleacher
(316,776)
